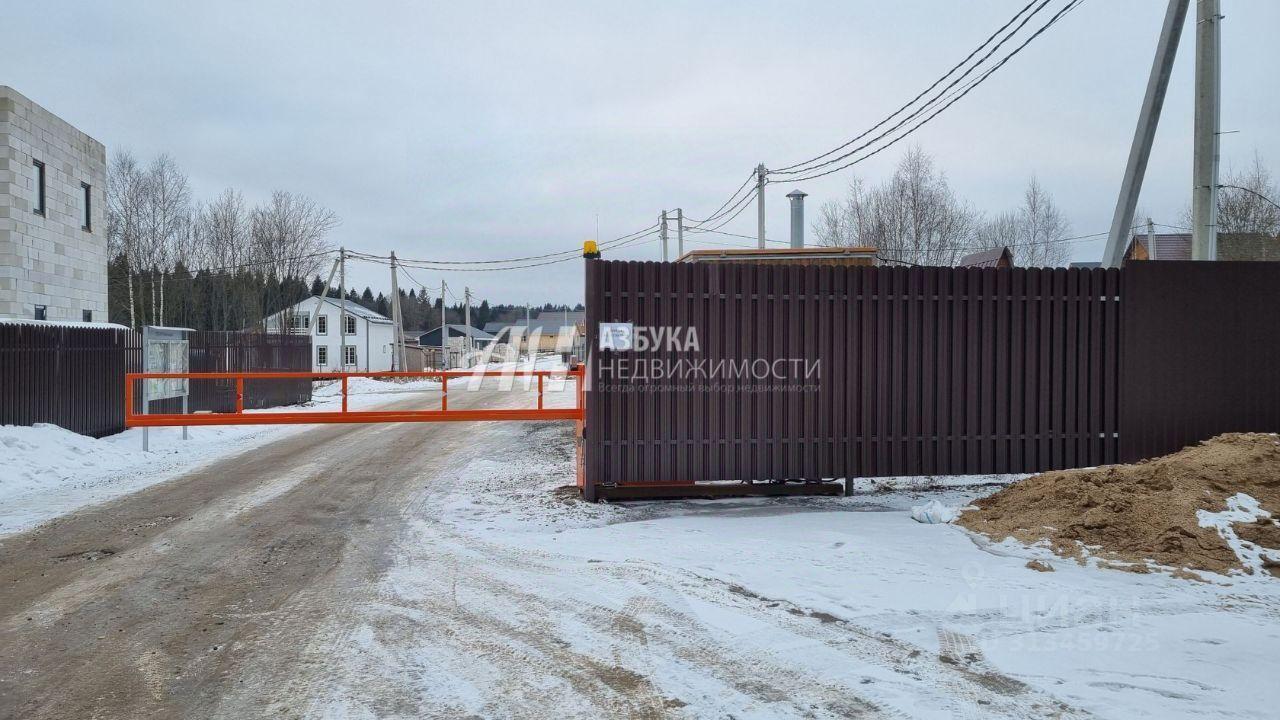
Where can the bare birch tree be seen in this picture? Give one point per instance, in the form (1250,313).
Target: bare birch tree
(1033,232)
(166,216)
(913,218)
(126,194)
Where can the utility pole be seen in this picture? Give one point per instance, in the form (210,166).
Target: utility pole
(528,332)
(320,299)
(397,354)
(466,318)
(444,328)
(663,234)
(1204,163)
(679,233)
(1148,118)
(342,309)
(761,179)
(1151,240)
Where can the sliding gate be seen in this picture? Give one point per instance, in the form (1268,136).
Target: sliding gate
(782,376)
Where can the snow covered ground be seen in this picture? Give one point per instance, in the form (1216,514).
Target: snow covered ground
(782,608)
(49,471)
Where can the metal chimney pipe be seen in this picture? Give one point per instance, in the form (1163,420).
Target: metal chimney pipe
(797,218)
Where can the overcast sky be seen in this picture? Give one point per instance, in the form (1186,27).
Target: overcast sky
(485,130)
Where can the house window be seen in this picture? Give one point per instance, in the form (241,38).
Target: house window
(322,355)
(42,312)
(351,325)
(322,325)
(348,354)
(38,208)
(86,209)
(300,322)
(86,315)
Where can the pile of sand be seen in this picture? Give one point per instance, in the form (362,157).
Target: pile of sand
(1146,511)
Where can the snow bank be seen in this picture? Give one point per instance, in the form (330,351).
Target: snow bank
(935,513)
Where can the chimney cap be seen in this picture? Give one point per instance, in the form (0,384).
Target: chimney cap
(797,194)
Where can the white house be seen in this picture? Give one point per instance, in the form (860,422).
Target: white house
(364,345)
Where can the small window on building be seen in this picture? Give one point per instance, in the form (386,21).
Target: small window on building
(322,355)
(86,315)
(348,354)
(38,205)
(351,325)
(86,207)
(299,322)
(42,312)
(322,325)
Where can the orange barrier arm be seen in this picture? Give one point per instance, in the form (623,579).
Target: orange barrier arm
(444,414)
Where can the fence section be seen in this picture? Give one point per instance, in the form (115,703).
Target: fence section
(1201,353)
(73,376)
(66,375)
(919,371)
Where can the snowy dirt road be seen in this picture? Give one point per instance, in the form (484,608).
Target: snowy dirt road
(435,571)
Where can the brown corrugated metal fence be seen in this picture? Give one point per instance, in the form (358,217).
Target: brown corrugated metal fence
(68,376)
(919,371)
(73,376)
(1201,353)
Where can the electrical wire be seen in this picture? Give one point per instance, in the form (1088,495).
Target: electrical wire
(567,254)
(439,267)
(713,216)
(792,169)
(1251,192)
(953,98)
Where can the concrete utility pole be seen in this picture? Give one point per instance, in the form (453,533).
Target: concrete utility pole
(528,332)
(466,317)
(679,233)
(1204,163)
(1151,240)
(797,217)
(320,300)
(761,179)
(663,233)
(342,309)
(397,353)
(444,328)
(1148,118)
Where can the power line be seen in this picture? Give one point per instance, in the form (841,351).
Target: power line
(791,169)
(1252,192)
(713,216)
(738,235)
(439,267)
(566,254)
(955,97)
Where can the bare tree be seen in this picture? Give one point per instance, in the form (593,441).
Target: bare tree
(166,218)
(1033,233)
(224,224)
(126,200)
(289,236)
(913,218)
(1248,210)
